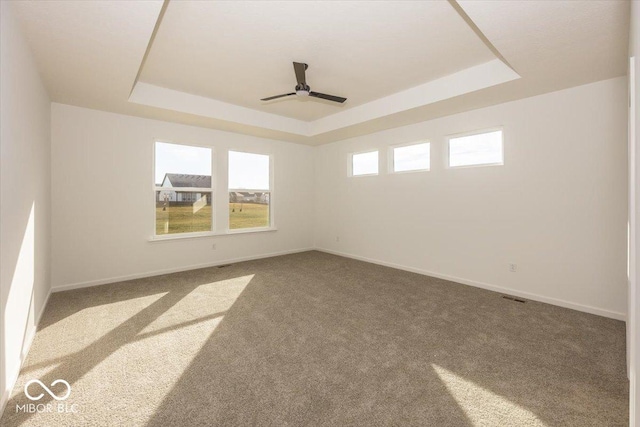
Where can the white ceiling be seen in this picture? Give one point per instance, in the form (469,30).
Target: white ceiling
(240,52)
(88,52)
(397,62)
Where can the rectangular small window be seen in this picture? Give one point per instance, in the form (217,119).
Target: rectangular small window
(478,149)
(414,157)
(183,190)
(364,163)
(249,190)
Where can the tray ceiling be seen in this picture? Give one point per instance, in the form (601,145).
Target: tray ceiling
(209,63)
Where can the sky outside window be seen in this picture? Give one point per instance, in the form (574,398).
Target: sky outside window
(411,157)
(479,149)
(248,171)
(365,163)
(181,159)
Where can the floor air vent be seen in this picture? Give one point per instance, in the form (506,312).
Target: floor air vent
(223,266)
(510,298)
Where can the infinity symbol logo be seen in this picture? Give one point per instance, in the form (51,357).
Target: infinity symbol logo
(38,397)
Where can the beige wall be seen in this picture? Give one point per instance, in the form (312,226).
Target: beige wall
(24,198)
(633,328)
(557,208)
(103,203)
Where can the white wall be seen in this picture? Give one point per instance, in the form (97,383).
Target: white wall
(103,202)
(557,208)
(24,198)
(633,329)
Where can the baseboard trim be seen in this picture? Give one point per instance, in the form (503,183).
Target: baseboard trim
(26,346)
(487,286)
(4,399)
(469,282)
(99,282)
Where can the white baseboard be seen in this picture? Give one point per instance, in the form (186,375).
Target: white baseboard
(26,346)
(487,286)
(477,284)
(172,270)
(554,301)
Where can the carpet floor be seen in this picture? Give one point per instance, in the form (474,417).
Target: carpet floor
(313,339)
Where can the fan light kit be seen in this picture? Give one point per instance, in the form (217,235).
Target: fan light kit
(303,89)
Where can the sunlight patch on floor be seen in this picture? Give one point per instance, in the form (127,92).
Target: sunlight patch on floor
(149,367)
(35,373)
(70,335)
(142,345)
(483,407)
(204,301)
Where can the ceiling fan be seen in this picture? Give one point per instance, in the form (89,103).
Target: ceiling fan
(303,89)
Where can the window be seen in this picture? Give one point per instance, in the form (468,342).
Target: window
(477,149)
(183,190)
(414,157)
(364,163)
(249,190)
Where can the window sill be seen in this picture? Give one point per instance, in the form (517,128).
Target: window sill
(409,171)
(183,236)
(362,175)
(480,165)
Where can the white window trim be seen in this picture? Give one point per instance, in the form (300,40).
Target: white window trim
(471,133)
(181,236)
(272,225)
(215,182)
(350,163)
(211,190)
(391,158)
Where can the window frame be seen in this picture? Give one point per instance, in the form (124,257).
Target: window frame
(271,226)
(350,163)
(212,190)
(391,157)
(448,139)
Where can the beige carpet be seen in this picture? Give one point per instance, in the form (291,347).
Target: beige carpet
(318,340)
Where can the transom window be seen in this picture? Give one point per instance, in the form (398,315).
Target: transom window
(483,148)
(364,163)
(412,157)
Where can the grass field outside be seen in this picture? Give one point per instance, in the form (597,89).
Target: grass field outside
(248,215)
(182,219)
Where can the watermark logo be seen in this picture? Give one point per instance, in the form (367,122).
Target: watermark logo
(32,408)
(52,394)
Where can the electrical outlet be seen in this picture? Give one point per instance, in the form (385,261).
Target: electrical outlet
(213,246)
(513,268)
(337,238)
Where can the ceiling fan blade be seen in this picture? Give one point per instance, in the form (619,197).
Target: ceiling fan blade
(277,96)
(300,68)
(328,97)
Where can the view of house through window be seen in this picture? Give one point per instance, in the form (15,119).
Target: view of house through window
(182,189)
(249,190)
